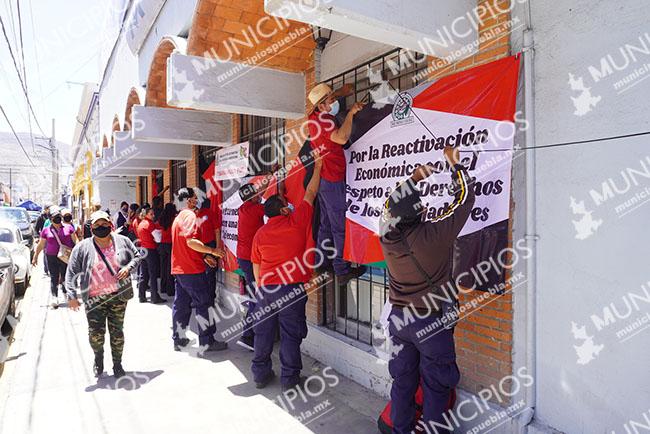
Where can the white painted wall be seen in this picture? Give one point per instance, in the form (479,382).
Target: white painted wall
(579,278)
(344,52)
(115,190)
(174,19)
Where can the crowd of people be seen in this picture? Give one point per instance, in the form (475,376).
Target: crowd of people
(174,253)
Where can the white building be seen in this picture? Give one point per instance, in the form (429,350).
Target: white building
(576,324)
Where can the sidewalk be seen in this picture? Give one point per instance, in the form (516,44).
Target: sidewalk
(48,387)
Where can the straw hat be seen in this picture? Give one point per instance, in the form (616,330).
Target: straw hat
(318,94)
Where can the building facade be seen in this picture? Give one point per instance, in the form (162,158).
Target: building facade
(186,78)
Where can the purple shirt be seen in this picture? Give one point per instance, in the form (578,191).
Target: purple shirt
(65,235)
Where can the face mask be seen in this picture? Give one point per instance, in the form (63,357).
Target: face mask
(291,207)
(101,231)
(56,220)
(334,110)
(125,209)
(67,219)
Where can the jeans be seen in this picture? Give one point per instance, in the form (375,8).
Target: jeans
(57,273)
(192,291)
(430,358)
(276,306)
(331,198)
(247,267)
(143,276)
(166,278)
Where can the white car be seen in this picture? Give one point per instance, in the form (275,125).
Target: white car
(12,240)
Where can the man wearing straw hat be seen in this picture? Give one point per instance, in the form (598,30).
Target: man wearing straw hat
(328,137)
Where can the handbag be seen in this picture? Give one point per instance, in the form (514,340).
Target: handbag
(64,251)
(124,286)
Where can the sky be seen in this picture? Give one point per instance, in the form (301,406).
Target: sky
(64,41)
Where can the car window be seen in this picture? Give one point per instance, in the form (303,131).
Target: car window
(13,214)
(6,235)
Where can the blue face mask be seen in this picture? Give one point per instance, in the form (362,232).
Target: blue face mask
(291,207)
(334,110)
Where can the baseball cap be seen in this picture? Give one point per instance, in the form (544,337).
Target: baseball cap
(99,215)
(54,211)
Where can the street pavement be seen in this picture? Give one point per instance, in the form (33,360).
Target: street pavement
(47,385)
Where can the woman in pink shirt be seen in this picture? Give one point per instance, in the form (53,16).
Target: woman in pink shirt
(51,240)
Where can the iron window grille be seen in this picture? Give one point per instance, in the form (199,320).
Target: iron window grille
(266,137)
(179,175)
(354,309)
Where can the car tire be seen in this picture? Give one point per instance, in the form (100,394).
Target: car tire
(21,287)
(6,327)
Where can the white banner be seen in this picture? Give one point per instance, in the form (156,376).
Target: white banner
(232,162)
(387,155)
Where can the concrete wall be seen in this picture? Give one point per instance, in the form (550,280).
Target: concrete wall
(591,380)
(108,191)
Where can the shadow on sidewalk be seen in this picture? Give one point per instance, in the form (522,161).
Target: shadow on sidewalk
(131,381)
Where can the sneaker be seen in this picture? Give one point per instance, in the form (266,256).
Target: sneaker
(118,371)
(247,342)
(352,274)
(143,299)
(262,384)
(98,367)
(181,343)
(215,346)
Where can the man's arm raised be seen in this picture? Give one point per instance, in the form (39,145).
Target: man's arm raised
(312,188)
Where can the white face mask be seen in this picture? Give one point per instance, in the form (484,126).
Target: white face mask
(334,110)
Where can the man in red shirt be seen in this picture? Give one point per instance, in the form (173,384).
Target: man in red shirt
(192,289)
(328,139)
(251,219)
(209,234)
(280,268)
(149,249)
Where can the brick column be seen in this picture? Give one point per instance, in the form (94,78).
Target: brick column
(167,181)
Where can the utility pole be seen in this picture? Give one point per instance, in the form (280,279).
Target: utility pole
(11,189)
(55,172)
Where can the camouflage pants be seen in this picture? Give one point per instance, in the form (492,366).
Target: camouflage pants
(102,311)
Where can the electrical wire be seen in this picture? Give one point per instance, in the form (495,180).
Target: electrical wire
(13,58)
(22,55)
(16,135)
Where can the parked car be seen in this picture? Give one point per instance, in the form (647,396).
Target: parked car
(7,292)
(33,216)
(20,218)
(12,240)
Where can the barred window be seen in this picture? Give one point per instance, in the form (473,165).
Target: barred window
(352,310)
(179,175)
(266,139)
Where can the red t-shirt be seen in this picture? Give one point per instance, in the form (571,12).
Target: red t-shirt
(184,259)
(206,221)
(145,233)
(279,248)
(321,126)
(166,237)
(251,218)
(134,226)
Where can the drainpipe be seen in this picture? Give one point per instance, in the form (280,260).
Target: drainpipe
(531,226)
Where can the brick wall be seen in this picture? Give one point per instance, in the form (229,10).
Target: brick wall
(484,338)
(193,168)
(156,92)
(167,181)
